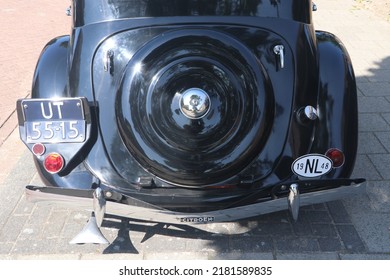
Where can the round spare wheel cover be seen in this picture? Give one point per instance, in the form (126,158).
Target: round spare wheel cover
(193,106)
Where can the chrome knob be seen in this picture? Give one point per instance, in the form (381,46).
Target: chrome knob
(307,115)
(311,113)
(194,103)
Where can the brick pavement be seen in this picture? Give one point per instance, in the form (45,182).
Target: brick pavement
(358,228)
(25,28)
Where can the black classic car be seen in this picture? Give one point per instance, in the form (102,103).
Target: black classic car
(192,111)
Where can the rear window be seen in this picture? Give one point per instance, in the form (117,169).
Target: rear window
(89,11)
(163,8)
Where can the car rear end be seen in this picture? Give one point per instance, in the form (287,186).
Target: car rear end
(193,111)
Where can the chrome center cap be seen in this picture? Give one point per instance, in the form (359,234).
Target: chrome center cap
(194,103)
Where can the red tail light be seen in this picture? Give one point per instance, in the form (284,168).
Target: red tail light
(54,163)
(38,149)
(336,156)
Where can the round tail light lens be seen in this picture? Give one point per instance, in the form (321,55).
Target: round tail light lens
(54,163)
(336,156)
(38,149)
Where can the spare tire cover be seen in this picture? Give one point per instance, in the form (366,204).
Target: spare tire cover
(230,130)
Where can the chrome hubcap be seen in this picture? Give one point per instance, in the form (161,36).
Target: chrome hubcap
(194,103)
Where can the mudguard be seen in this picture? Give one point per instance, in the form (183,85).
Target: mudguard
(337,102)
(50,77)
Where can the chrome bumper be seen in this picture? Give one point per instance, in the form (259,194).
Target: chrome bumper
(136,209)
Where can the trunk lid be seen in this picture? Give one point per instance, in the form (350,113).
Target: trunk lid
(142,78)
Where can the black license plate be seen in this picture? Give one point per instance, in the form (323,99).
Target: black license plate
(54,121)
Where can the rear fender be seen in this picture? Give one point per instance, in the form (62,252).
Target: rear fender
(337,102)
(50,77)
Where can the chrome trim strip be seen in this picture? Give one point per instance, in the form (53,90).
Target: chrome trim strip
(151,213)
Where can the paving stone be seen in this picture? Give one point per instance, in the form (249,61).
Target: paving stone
(372,122)
(386,117)
(40,246)
(311,256)
(55,223)
(116,257)
(330,244)
(216,244)
(275,229)
(316,216)
(350,238)
(301,244)
(365,256)
(382,163)
(364,168)
(32,232)
(173,243)
(324,230)
(373,105)
(5,248)
(12,228)
(55,246)
(302,227)
(47,257)
(182,256)
(251,244)
(369,144)
(379,194)
(338,212)
(372,227)
(23,207)
(40,214)
(381,75)
(319,206)
(12,150)
(12,188)
(241,256)
(375,89)
(384,138)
